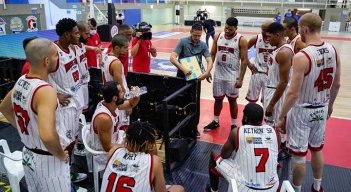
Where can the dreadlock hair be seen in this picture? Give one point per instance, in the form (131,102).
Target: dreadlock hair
(140,137)
(254,114)
(65,25)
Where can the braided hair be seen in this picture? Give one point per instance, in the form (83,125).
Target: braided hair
(140,137)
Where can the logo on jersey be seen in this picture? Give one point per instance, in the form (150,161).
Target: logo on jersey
(134,168)
(228,49)
(119,166)
(69,134)
(320,62)
(31,23)
(268,140)
(317,116)
(254,140)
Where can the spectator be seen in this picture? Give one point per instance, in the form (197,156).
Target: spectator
(94,41)
(209,29)
(278,18)
(288,14)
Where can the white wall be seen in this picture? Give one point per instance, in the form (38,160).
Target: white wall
(158,16)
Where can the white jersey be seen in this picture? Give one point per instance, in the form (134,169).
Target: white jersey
(127,170)
(263,52)
(317,83)
(273,67)
(293,41)
(256,156)
(27,119)
(106,70)
(82,63)
(66,78)
(93,139)
(227,60)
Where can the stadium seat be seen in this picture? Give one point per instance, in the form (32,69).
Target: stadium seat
(232,187)
(286,187)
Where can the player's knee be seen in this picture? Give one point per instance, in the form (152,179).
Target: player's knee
(298,159)
(231,100)
(218,101)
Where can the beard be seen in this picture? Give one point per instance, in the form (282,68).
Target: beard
(82,40)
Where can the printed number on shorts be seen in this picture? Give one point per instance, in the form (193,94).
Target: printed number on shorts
(124,184)
(261,167)
(324,80)
(75,76)
(22,118)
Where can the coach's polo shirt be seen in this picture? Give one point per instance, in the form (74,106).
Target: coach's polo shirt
(185,48)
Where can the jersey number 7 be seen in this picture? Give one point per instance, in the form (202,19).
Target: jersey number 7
(261,167)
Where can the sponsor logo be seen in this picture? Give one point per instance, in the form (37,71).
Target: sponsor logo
(114,31)
(317,116)
(249,140)
(119,166)
(31,23)
(16,25)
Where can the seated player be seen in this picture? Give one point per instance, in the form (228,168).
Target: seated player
(104,126)
(134,167)
(249,155)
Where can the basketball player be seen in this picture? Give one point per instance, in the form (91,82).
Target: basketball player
(249,155)
(314,86)
(278,78)
(134,167)
(104,127)
(291,31)
(228,49)
(260,68)
(113,69)
(66,79)
(32,107)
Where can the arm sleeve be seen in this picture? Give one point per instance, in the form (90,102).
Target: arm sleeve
(179,47)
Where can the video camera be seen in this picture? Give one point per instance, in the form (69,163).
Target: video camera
(144,28)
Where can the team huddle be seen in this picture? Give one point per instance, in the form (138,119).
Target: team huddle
(296,73)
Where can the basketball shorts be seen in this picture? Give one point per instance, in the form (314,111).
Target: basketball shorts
(223,88)
(257,85)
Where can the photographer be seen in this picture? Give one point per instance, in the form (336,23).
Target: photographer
(142,48)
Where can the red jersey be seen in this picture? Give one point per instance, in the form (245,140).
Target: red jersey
(25,68)
(93,40)
(141,61)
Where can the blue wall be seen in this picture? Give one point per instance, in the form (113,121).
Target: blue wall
(132,16)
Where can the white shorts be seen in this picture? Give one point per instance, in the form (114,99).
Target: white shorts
(256,85)
(306,129)
(227,168)
(268,94)
(45,172)
(124,119)
(71,121)
(223,88)
(85,88)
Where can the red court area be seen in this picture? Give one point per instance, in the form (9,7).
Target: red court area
(335,150)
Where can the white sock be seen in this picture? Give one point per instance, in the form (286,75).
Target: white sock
(233,121)
(296,188)
(317,184)
(282,138)
(216,118)
(213,190)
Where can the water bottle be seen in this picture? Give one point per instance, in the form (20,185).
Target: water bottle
(135,91)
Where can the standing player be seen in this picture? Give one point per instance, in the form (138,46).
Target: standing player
(278,78)
(254,162)
(113,69)
(32,107)
(291,31)
(134,167)
(228,49)
(314,86)
(105,122)
(260,68)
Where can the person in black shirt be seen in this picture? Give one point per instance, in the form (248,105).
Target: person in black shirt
(209,29)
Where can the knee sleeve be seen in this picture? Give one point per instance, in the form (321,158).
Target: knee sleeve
(218,101)
(298,159)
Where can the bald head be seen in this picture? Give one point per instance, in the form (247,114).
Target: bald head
(83,26)
(37,50)
(312,21)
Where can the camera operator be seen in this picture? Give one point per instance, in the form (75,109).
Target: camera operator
(142,48)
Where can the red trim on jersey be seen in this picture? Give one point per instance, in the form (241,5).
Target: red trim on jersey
(317,45)
(336,54)
(237,141)
(28,77)
(112,112)
(316,148)
(151,170)
(217,157)
(94,128)
(35,91)
(251,100)
(108,160)
(310,62)
(255,44)
(59,46)
(109,67)
(297,153)
(230,38)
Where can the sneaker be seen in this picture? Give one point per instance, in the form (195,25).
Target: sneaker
(198,134)
(213,125)
(78,177)
(75,188)
(79,149)
(283,154)
(313,190)
(233,127)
